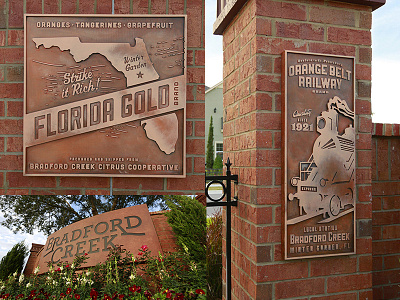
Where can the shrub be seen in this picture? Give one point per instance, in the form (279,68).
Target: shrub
(214,256)
(187,218)
(177,271)
(218,164)
(13,261)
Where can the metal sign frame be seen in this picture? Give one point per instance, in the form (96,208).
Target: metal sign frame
(227,194)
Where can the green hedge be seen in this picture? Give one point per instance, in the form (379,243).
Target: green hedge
(187,218)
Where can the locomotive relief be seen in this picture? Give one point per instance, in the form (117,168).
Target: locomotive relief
(326,180)
(319,155)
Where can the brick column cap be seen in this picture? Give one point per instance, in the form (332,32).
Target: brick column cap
(380,129)
(36,247)
(232,7)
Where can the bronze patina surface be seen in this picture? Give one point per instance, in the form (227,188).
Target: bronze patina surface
(130,228)
(105,95)
(319,155)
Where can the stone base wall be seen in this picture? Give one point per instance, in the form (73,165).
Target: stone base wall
(164,232)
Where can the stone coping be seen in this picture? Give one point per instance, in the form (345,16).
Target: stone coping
(232,7)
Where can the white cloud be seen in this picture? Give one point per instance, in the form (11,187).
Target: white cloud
(385,94)
(8,239)
(386,63)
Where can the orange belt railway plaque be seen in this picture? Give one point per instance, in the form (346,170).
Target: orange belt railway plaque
(105,95)
(320,158)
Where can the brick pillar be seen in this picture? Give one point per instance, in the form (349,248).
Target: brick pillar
(164,231)
(33,259)
(253,41)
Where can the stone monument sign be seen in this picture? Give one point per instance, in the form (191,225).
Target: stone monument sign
(130,228)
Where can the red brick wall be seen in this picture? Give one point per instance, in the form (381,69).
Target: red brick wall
(253,44)
(33,258)
(386,211)
(164,231)
(11,99)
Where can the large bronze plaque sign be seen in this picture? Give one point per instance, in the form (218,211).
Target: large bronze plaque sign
(130,227)
(319,155)
(105,95)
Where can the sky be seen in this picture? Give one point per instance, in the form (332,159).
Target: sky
(385,60)
(8,239)
(385,75)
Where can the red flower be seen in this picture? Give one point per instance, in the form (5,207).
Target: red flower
(77,296)
(6,296)
(179,296)
(160,259)
(69,290)
(106,297)
(144,247)
(86,254)
(140,253)
(58,270)
(67,266)
(135,288)
(121,296)
(147,294)
(62,295)
(93,294)
(200,292)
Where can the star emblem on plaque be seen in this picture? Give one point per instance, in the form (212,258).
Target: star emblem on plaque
(105,95)
(319,175)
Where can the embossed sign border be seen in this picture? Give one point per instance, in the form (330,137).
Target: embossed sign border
(132,89)
(316,229)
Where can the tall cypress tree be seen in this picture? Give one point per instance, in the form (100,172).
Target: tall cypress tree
(13,261)
(210,146)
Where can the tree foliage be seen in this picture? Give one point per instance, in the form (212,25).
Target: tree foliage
(188,221)
(51,213)
(218,164)
(13,261)
(210,146)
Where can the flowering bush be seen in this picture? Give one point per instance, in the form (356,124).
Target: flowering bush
(122,276)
